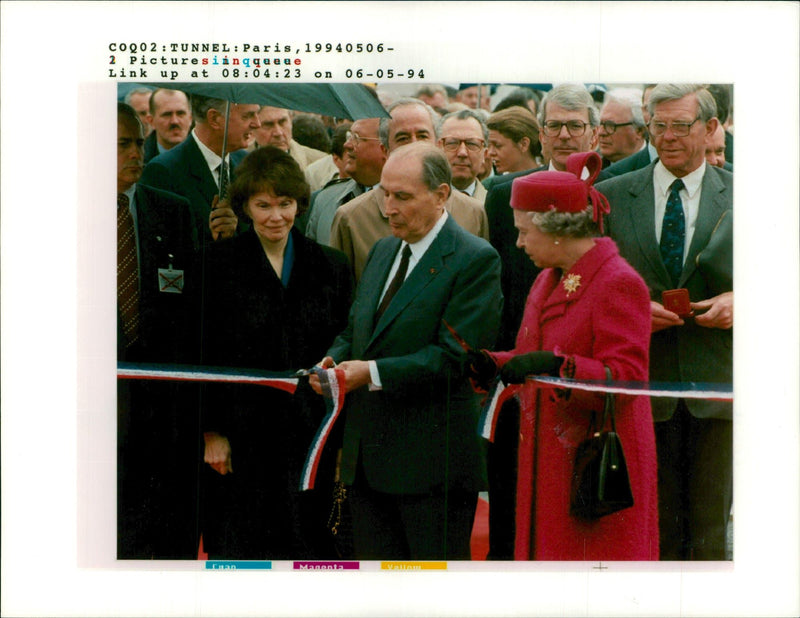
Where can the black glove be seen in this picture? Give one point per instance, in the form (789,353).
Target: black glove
(480,367)
(515,370)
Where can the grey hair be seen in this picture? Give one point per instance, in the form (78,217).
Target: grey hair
(707,107)
(464,114)
(434,163)
(201,105)
(428,90)
(435,169)
(567,224)
(383,130)
(137,90)
(572,97)
(630,97)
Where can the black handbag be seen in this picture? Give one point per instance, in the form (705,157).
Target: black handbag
(600,483)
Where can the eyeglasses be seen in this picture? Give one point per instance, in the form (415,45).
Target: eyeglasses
(679,129)
(454,144)
(576,128)
(355,137)
(610,127)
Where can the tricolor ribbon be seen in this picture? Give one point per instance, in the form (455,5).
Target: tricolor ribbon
(203,373)
(332,382)
(500,393)
(684,390)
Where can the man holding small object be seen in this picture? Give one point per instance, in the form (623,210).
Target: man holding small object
(411,451)
(669,221)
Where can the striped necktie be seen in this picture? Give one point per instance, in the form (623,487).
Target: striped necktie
(127,271)
(673,233)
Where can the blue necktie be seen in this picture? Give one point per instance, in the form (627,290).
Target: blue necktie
(673,233)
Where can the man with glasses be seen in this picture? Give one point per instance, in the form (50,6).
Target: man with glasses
(664,219)
(640,158)
(364,158)
(360,223)
(622,130)
(463,137)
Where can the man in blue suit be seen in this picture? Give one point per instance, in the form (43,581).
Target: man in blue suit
(671,221)
(411,451)
(192,168)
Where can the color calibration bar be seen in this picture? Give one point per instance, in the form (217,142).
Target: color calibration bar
(346,565)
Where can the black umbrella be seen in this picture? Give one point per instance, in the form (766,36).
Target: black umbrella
(351,101)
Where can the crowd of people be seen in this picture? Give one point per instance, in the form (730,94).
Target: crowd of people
(457,241)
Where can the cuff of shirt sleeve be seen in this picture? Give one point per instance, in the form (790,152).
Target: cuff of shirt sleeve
(374,377)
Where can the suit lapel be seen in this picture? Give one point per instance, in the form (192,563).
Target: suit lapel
(643,223)
(425,272)
(375,283)
(198,169)
(712,205)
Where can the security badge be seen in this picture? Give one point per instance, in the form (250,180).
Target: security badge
(170,279)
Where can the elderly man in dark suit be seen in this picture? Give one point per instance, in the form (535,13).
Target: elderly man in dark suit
(157,284)
(665,219)
(411,451)
(192,169)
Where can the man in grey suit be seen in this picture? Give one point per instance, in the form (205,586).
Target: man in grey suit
(411,452)
(664,219)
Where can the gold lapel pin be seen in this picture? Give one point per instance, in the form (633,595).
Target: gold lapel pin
(571,283)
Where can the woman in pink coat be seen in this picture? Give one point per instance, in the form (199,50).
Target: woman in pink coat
(587,310)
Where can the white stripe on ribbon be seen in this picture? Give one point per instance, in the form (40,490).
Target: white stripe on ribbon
(683,390)
(333,389)
(331,380)
(165,372)
(689,390)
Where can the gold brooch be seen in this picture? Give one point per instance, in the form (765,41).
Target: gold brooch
(571,283)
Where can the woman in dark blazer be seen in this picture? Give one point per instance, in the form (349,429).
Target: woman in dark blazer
(273,300)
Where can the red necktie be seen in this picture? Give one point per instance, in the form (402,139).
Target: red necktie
(127,271)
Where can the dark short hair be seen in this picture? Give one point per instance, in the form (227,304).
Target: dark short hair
(125,113)
(519,97)
(339,138)
(268,169)
(309,131)
(722,97)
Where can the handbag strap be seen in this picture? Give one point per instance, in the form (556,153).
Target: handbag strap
(608,409)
